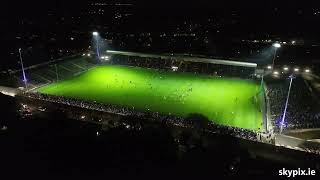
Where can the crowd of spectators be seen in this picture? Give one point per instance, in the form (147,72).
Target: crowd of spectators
(185,66)
(206,125)
(303,109)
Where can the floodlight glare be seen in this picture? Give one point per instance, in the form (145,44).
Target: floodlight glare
(95,33)
(276,45)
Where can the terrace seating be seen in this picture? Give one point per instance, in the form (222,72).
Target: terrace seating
(302,111)
(65,69)
(194,67)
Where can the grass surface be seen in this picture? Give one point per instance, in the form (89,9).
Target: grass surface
(231,102)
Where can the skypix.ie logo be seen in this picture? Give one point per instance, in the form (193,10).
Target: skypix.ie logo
(296,172)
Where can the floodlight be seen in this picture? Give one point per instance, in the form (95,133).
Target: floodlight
(276,45)
(174,68)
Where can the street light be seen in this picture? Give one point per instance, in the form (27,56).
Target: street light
(285,68)
(96,34)
(276,47)
(269,67)
(296,69)
(307,70)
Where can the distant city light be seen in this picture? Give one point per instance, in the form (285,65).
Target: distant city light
(95,33)
(269,67)
(286,68)
(276,45)
(296,69)
(307,70)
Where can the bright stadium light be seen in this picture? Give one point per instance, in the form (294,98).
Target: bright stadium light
(106,58)
(174,68)
(296,69)
(96,36)
(276,45)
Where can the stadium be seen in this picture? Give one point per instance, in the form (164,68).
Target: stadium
(225,96)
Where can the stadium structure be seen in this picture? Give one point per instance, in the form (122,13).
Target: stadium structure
(232,97)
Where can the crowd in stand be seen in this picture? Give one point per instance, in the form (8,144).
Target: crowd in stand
(185,66)
(156,116)
(303,109)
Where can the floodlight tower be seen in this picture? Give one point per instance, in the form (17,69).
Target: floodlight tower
(276,47)
(96,36)
(286,105)
(23,73)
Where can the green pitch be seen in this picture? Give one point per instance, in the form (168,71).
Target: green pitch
(230,102)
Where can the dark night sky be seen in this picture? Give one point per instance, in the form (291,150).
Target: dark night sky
(288,19)
(34,6)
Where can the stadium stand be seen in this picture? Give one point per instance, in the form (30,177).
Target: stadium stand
(61,70)
(185,66)
(195,122)
(303,108)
